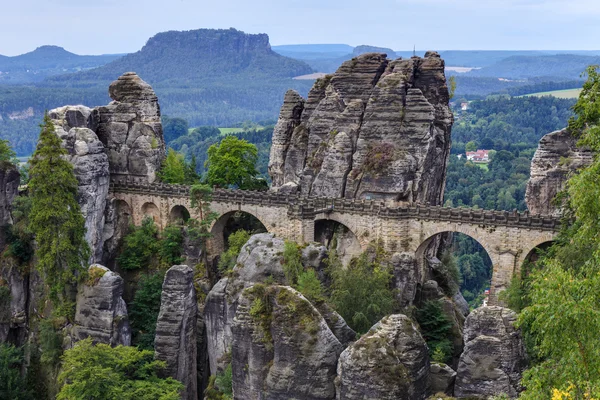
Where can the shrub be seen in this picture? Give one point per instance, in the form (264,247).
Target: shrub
(12,384)
(224,382)
(120,373)
(362,292)
(50,343)
(310,286)
(144,310)
(94,275)
(171,245)
(140,245)
(19,236)
(292,262)
(235,241)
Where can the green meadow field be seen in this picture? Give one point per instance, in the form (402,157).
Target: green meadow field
(561,94)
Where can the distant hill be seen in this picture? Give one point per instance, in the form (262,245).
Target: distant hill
(358,50)
(566,66)
(209,77)
(46,61)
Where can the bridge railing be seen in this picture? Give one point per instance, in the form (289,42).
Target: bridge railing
(312,206)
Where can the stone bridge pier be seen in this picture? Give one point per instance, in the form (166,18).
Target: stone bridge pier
(508,238)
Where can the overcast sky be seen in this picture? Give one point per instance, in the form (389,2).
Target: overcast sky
(123,26)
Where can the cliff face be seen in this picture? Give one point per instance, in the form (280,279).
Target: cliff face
(122,138)
(375,129)
(556,157)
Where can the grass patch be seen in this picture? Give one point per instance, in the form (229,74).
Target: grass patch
(561,94)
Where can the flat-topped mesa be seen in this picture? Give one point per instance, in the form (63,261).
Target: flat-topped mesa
(130,128)
(556,157)
(376,129)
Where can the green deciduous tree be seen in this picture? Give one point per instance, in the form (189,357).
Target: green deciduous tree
(99,371)
(140,245)
(361,292)
(564,312)
(7,154)
(55,217)
(232,163)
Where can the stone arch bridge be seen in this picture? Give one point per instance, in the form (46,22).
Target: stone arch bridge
(508,237)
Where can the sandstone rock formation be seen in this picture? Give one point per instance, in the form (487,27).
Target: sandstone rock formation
(90,164)
(9,187)
(101,312)
(282,347)
(375,129)
(176,337)
(556,157)
(390,362)
(260,261)
(122,139)
(441,378)
(14,286)
(494,357)
(130,128)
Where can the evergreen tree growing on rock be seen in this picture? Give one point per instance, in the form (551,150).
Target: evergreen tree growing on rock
(55,218)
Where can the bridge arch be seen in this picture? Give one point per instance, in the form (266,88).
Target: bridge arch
(335,234)
(533,254)
(149,209)
(178,215)
(230,222)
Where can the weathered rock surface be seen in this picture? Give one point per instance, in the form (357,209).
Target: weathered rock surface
(130,128)
(375,129)
(441,378)
(9,188)
(406,278)
(390,362)
(14,287)
(101,312)
(260,261)
(282,347)
(176,329)
(556,157)
(90,163)
(494,357)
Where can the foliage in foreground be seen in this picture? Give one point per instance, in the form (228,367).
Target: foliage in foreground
(361,293)
(235,243)
(55,217)
(120,373)
(144,309)
(563,316)
(436,329)
(12,384)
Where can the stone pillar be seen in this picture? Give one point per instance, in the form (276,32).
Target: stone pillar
(308,230)
(502,273)
(176,329)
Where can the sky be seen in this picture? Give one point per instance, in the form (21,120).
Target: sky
(124,26)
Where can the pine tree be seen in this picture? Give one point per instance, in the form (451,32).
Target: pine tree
(55,218)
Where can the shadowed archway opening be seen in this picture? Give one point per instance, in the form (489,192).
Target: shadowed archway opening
(336,236)
(179,215)
(534,255)
(234,221)
(457,261)
(151,210)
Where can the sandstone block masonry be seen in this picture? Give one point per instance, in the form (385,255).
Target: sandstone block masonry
(509,238)
(376,129)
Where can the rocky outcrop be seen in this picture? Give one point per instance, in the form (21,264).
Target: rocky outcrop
(441,378)
(556,157)
(260,261)
(90,164)
(494,357)
(282,347)
(176,328)
(406,278)
(130,128)
(390,362)
(376,129)
(101,312)
(9,187)
(122,139)
(14,287)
